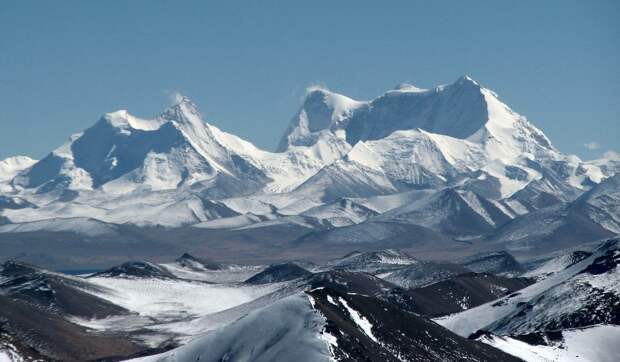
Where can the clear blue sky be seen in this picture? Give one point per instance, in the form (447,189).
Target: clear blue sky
(246,64)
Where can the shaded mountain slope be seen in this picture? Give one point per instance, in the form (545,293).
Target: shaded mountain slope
(463,292)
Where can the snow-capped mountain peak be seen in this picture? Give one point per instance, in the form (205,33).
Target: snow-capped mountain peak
(406,87)
(321,111)
(123,120)
(466,79)
(176,148)
(458,144)
(9,167)
(463,110)
(183,111)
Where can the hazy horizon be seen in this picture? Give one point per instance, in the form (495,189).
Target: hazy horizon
(247,67)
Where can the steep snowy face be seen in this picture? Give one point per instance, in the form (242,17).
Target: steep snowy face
(606,166)
(121,153)
(411,138)
(177,148)
(411,149)
(287,330)
(458,110)
(473,163)
(462,110)
(322,113)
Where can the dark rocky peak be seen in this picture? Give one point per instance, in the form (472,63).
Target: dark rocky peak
(279,273)
(57,292)
(351,282)
(499,262)
(136,269)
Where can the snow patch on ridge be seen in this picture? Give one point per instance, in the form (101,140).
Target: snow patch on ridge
(360,320)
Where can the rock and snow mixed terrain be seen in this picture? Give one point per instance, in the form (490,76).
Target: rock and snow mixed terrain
(344,309)
(453,161)
(591,286)
(596,343)
(559,318)
(278,314)
(443,192)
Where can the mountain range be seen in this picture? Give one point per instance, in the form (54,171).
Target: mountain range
(444,171)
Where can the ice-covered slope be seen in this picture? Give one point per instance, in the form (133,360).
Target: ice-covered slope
(602,204)
(323,115)
(556,264)
(122,152)
(177,148)
(163,171)
(403,160)
(326,325)
(608,165)
(462,110)
(344,179)
(9,167)
(455,134)
(597,343)
(287,330)
(453,159)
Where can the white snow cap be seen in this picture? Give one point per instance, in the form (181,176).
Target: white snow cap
(465,79)
(9,167)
